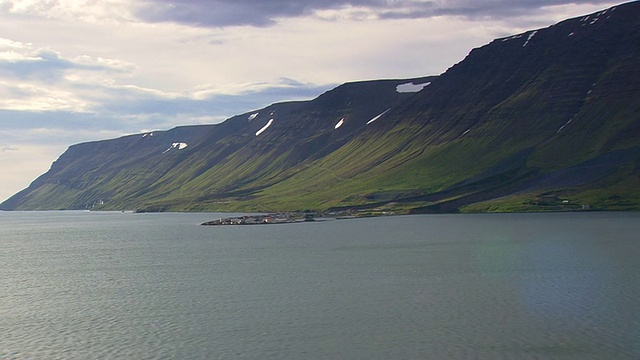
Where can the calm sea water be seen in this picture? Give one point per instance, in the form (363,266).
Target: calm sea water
(80,285)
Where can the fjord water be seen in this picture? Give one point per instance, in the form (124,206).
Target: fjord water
(86,285)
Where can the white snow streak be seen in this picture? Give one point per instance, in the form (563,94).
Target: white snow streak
(411,87)
(253,116)
(595,18)
(465,133)
(378,117)
(176,145)
(264,127)
(512,37)
(563,126)
(530,37)
(339,123)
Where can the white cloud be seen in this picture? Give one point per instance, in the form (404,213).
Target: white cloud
(42,79)
(30,97)
(7,148)
(10,44)
(70,10)
(104,63)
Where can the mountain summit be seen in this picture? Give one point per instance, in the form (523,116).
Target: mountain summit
(544,120)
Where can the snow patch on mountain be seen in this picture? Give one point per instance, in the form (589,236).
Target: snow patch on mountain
(264,127)
(512,37)
(253,116)
(595,17)
(411,87)
(339,123)
(563,126)
(176,145)
(530,37)
(147,134)
(378,116)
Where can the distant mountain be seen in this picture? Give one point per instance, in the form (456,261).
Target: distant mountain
(544,120)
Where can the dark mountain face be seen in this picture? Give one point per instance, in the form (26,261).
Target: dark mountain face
(548,119)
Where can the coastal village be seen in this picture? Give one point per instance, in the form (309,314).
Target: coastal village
(294,217)
(275,218)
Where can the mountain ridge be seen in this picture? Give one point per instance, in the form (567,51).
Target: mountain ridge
(544,120)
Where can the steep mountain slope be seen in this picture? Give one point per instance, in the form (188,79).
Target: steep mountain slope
(195,165)
(536,115)
(544,120)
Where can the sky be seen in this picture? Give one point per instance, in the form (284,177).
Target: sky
(73,71)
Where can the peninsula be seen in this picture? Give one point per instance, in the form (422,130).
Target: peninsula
(263,219)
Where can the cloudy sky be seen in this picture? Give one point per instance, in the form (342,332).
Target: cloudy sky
(80,70)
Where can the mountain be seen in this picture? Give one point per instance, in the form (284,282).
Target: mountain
(544,120)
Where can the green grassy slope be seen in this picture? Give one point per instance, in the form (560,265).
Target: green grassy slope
(545,120)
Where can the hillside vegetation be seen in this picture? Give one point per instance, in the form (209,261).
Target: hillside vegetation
(544,120)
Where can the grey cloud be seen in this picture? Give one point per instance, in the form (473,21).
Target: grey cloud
(65,127)
(18,121)
(215,105)
(44,65)
(219,13)
(134,110)
(258,13)
(484,8)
